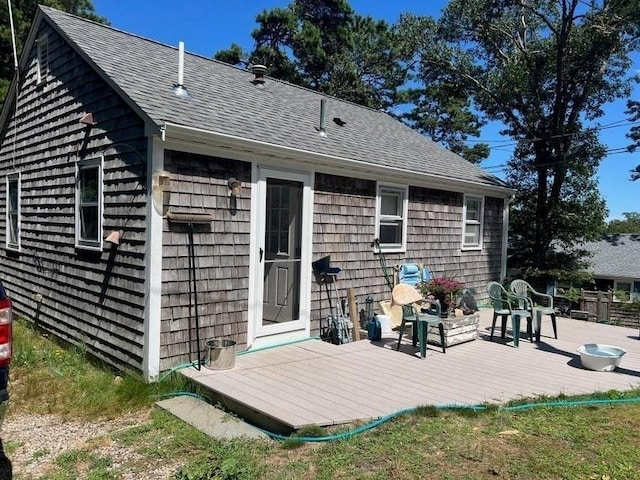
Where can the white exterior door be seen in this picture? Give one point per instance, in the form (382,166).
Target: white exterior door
(281,257)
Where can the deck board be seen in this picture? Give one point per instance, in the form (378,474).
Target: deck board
(316,383)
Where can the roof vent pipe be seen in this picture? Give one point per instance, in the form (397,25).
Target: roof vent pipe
(179,89)
(323,133)
(259,72)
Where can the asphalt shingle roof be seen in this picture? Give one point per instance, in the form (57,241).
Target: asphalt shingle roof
(616,255)
(224,100)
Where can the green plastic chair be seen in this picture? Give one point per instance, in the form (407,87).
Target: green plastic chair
(421,318)
(506,304)
(542,301)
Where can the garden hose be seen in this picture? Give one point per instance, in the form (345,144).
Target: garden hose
(475,408)
(375,423)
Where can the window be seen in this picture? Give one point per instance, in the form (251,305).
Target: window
(391,215)
(13,211)
(89,204)
(623,289)
(43,59)
(473,219)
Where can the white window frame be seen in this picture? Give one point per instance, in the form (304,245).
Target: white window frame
(628,281)
(89,243)
(403,192)
(42,59)
(14,245)
(466,221)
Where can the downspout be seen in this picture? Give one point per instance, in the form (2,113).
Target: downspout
(505,236)
(153,269)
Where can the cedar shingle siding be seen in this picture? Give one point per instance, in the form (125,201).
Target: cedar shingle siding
(100,298)
(88,298)
(344,227)
(221,250)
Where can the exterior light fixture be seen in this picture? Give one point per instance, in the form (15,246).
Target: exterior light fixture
(114,237)
(234,186)
(161,191)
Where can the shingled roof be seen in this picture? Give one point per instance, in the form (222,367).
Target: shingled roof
(616,255)
(226,101)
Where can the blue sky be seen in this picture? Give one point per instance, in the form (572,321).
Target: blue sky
(207,26)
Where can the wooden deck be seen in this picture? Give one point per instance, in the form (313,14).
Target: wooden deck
(317,383)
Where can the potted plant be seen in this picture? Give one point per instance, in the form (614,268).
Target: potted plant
(446,290)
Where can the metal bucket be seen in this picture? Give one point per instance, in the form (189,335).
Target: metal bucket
(222,354)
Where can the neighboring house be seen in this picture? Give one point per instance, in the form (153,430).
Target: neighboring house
(139,222)
(615,263)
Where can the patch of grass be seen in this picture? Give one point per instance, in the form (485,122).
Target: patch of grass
(429,411)
(536,442)
(41,452)
(82,464)
(49,377)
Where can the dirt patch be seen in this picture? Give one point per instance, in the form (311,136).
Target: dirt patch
(35,441)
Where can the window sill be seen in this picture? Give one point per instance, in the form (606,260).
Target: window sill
(93,247)
(471,248)
(389,250)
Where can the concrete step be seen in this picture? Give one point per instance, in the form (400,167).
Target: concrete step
(209,419)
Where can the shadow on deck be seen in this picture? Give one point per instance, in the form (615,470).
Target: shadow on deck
(317,383)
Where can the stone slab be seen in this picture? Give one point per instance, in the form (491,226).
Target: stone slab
(209,419)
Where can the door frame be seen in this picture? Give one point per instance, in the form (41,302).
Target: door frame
(258,334)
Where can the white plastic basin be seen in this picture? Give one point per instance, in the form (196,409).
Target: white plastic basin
(599,357)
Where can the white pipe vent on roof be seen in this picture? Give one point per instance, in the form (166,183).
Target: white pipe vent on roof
(179,89)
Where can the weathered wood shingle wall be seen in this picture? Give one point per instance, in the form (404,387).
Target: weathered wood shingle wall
(221,253)
(344,227)
(93,299)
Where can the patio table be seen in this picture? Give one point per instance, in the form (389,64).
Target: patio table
(516,316)
(424,321)
(537,322)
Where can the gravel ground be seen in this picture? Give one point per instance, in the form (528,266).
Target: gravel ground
(42,438)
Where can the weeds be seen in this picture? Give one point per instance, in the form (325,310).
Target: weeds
(600,441)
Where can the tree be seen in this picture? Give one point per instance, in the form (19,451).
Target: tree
(634,134)
(543,69)
(23,14)
(437,105)
(323,45)
(630,224)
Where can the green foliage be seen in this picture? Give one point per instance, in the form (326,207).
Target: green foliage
(630,224)
(23,14)
(634,133)
(74,463)
(462,443)
(56,378)
(573,295)
(543,69)
(437,104)
(324,45)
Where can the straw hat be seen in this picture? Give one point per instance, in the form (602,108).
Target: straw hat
(405,294)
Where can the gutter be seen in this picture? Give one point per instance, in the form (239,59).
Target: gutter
(348,165)
(505,236)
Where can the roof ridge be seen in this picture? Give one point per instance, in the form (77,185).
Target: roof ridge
(211,59)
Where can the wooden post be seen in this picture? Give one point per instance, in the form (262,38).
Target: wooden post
(353,313)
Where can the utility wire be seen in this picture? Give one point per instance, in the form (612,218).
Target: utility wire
(508,143)
(502,166)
